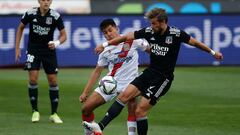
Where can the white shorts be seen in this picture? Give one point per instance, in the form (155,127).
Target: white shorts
(121,86)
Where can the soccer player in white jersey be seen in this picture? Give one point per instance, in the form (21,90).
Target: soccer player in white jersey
(122,62)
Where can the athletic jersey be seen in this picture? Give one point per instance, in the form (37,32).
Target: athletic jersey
(41,27)
(122,59)
(164,48)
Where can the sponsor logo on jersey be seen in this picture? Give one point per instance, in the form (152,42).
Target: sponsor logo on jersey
(41,30)
(119,60)
(49,20)
(159,50)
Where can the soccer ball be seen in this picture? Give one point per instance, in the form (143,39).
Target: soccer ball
(108,85)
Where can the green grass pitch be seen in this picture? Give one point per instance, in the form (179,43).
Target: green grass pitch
(201,101)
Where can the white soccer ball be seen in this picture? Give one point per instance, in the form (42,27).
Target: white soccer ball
(108,85)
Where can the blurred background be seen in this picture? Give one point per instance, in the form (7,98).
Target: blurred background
(216,23)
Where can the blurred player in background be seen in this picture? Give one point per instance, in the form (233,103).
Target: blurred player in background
(155,80)
(41,50)
(122,62)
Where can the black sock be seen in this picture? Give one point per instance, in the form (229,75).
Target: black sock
(54,97)
(112,112)
(33,96)
(142,126)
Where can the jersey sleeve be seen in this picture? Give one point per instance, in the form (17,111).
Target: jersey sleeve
(60,24)
(25,18)
(184,37)
(140,33)
(102,61)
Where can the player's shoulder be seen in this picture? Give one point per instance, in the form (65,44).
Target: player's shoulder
(54,14)
(148,30)
(32,11)
(174,30)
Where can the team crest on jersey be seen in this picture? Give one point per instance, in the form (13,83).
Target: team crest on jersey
(168,40)
(49,20)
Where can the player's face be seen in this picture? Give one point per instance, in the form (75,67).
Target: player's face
(110,32)
(156,25)
(45,4)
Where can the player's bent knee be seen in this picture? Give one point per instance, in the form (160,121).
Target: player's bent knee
(124,98)
(140,112)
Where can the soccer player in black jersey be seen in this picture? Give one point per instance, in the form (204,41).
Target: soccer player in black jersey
(155,80)
(41,50)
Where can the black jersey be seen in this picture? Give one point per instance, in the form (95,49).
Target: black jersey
(41,27)
(164,48)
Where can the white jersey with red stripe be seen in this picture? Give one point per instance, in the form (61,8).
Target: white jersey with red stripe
(122,59)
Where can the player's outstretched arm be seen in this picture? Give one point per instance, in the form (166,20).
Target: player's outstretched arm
(91,82)
(202,46)
(18,39)
(117,40)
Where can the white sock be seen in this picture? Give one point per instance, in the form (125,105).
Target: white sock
(132,127)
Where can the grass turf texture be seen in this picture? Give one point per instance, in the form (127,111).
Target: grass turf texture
(201,101)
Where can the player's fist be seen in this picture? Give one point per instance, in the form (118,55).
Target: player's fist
(99,49)
(83,97)
(17,54)
(218,56)
(53,44)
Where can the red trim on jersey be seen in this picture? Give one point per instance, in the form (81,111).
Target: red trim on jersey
(121,55)
(88,118)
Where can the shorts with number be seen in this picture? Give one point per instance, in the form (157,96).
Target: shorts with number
(48,61)
(121,86)
(152,85)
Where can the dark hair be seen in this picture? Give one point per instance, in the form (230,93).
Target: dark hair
(105,23)
(159,13)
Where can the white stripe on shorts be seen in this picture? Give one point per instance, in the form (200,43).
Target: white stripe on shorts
(161,88)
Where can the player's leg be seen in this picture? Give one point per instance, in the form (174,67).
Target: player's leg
(129,93)
(54,98)
(33,65)
(141,114)
(158,87)
(53,92)
(49,62)
(33,94)
(131,122)
(93,101)
(116,108)
(33,88)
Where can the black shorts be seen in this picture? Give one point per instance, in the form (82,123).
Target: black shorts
(47,59)
(152,85)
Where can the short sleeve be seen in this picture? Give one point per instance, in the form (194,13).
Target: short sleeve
(184,37)
(60,24)
(25,18)
(140,33)
(102,61)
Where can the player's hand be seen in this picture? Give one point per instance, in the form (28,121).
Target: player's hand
(83,97)
(17,54)
(99,49)
(218,56)
(53,44)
